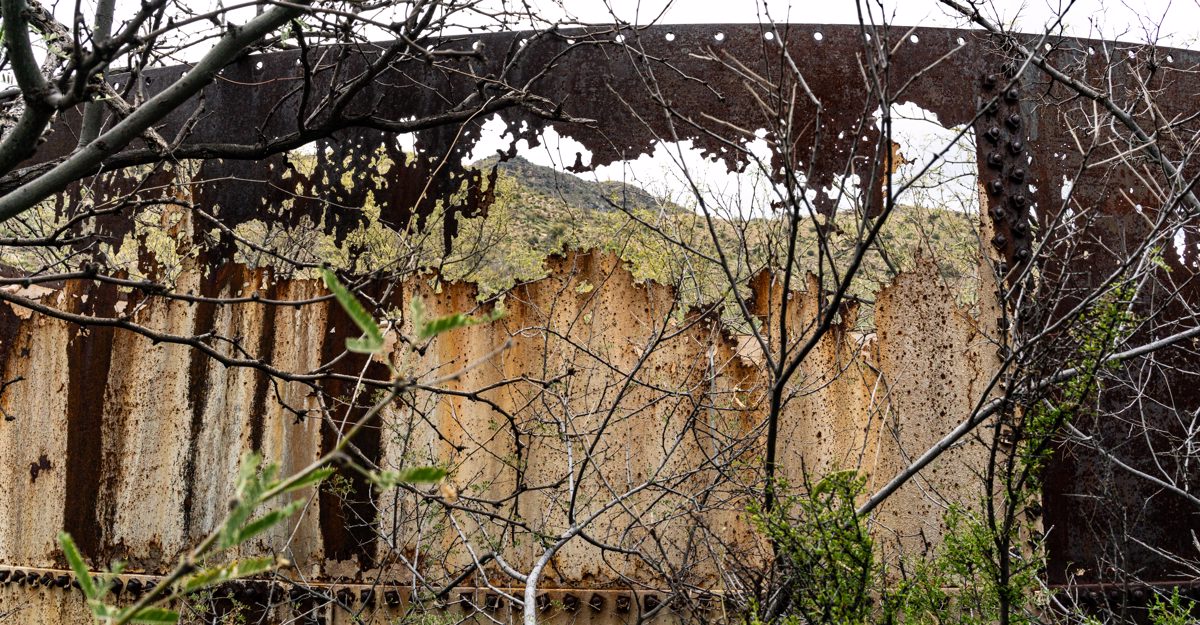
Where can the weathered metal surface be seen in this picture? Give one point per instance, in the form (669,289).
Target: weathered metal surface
(121,434)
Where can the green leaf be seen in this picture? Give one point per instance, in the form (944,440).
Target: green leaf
(312,479)
(430,329)
(77,565)
(264,523)
(224,573)
(372,340)
(415,475)
(154,616)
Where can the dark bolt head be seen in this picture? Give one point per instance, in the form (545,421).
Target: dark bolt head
(1016,146)
(117,586)
(999,240)
(1017,174)
(296,594)
(623,604)
(993,108)
(4,577)
(1139,594)
(346,596)
(1018,201)
(367,596)
(17,576)
(543,602)
(1021,228)
(492,602)
(990,81)
(1023,254)
(149,586)
(1013,121)
(570,602)
(596,602)
(995,160)
(134,586)
(997,214)
(652,602)
(62,581)
(47,579)
(992,134)
(1012,95)
(75,584)
(996,187)
(392,598)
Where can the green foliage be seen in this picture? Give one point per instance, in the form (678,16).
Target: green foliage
(372,340)
(429,328)
(1173,610)
(825,553)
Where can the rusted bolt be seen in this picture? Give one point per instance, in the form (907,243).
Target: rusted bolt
(990,81)
(46,579)
(134,587)
(1017,174)
(543,602)
(4,576)
(117,586)
(992,134)
(996,187)
(1021,228)
(995,160)
(62,581)
(1018,201)
(75,584)
(596,602)
(999,241)
(392,598)
(149,586)
(296,594)
(570,602)
(492,602)
(1016,146)
(997,214)
(652,602)
(1012,95)
(17,576)
(1013,121)
(1139,594)
(622,604)
(993,108)
(1022,253)
(346,596)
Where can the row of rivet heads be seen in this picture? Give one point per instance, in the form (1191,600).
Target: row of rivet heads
(393,596)
(1007,158)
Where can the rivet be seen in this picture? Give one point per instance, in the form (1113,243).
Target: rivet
(543,602)
(62,581)
(492,602)
(622,604)
(652,602)
(995,160)
(1016,146)
(570,603)
(992,134)
(999,240)
(1017,175)
(997,214)
(990,81)
(117,586)
(1021,228)
(1018,201)
(993,107)
(1012,95)
(392,598)
(596,602)
(4,577)
(1013,121)
(1023,253)
(296,594)
(1139,594)
(17,576)
(134,587)
(149,586)
(996,187)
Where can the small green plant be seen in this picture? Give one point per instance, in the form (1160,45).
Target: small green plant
(1174,609)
